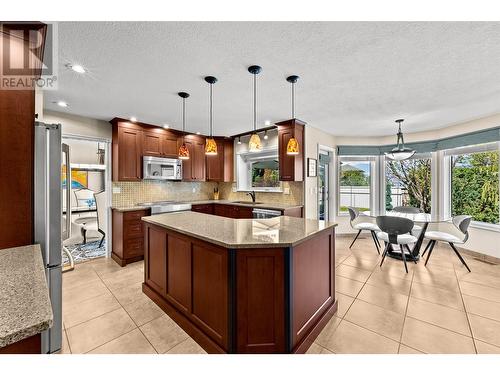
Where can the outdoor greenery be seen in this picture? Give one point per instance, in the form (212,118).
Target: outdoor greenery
(354,178)
(388,197)
(265,177)
(474,186)
(414,176)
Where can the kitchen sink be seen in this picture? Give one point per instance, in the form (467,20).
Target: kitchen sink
(246,202)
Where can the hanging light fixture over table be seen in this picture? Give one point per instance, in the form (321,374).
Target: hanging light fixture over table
(400,152)
(183,150)
(254,145)
(292,147)
(211,145)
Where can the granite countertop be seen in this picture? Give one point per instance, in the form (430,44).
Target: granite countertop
(271,206)
(25,308)
(281,231)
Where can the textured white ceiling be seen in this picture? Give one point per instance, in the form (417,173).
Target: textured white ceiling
(356,77)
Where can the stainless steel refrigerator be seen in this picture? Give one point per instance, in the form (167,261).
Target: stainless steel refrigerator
(50,156)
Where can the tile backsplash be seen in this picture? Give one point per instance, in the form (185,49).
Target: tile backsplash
(131,193)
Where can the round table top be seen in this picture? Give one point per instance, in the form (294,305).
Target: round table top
(418,218)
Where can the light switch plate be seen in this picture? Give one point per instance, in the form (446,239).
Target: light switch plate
(286,191)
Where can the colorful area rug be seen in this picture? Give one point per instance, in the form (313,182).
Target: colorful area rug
(82,253)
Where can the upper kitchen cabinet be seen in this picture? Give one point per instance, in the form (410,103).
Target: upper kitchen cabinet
(159,142)
(291,166)
(193,169)
(220,167)
(127,151)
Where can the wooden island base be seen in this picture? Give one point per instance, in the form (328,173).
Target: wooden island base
(244,300)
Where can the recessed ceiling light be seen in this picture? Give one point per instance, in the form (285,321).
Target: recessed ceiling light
(198,133)
(76,68)
(61,103)
(267,122)
(166,126)
(133,119)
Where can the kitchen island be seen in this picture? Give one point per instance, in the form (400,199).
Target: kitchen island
(242,285)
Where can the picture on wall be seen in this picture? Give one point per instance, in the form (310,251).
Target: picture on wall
(79,179)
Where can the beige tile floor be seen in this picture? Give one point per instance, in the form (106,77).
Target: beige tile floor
(436,309)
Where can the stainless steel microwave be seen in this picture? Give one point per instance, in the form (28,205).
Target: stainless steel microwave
(161,168)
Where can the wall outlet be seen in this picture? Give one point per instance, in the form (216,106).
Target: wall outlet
(233,189)
(194,190)
(286,191)
(117,190)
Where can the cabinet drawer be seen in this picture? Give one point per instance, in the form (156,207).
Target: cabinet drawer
(134,215)
(132,229)
(134,247)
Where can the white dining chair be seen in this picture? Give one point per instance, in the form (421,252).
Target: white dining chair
(409,210)
(462,222)
(361,226)
(396,231)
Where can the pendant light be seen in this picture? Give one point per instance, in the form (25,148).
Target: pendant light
(210,145)
(183,150)
(292,147)
(400,152)
(254,144)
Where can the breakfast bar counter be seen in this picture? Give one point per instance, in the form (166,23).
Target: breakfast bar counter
(242,285)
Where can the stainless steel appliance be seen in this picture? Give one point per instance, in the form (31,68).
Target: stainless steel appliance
(48,219)
(261,213)
(161,168)
(163,207)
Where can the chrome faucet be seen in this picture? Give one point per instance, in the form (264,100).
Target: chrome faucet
(252,194)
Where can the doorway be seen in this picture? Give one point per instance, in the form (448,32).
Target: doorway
(86,197)
(324,177)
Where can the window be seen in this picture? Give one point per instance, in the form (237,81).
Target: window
(408,183)
(355,183)
(265,173)
(474,185)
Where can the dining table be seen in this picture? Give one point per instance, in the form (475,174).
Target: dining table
(421,219)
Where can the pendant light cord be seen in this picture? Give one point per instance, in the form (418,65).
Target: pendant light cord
(293,99)
(183,119)
(255,102)
(210,110)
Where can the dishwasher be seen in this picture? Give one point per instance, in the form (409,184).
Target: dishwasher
(261,213)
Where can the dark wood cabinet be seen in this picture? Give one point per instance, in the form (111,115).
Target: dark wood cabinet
(155,275)
(169,144)
(127,151)
(179,272)
(203,208)
(159,142)
(291,166)
(128,236)
(193,169)
(220,167)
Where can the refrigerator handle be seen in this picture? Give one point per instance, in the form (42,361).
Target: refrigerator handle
(67,230)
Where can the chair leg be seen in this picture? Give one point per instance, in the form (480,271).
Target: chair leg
(411,255)
(374,236)
(427,247)
(387,245)
(355,238)
(459,256)
(84,232)
(103,236)
(403,255)
(430,251)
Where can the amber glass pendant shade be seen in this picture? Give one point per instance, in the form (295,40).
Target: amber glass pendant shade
(210,147)
(254,144)
(292,147)
(183,152)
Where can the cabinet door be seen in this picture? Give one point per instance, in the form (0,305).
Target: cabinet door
(199,161)
(156,259)
(203,208)
(179,272)
(287,162)
(169,145)
(130,150)
(245,213)
(152,144)
(187,165)
(215,164)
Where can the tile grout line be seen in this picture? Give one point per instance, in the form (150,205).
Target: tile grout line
(406,312)
(465,309)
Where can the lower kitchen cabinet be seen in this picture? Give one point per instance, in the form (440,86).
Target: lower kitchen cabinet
(203,208)
(238,212)
(128,236)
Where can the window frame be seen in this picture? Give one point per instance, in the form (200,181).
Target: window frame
(447,180)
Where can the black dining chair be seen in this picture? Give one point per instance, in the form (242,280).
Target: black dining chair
(396,231)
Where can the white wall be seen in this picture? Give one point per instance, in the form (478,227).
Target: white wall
(78,125)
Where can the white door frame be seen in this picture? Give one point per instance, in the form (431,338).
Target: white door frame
(107,181)
(332,186)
